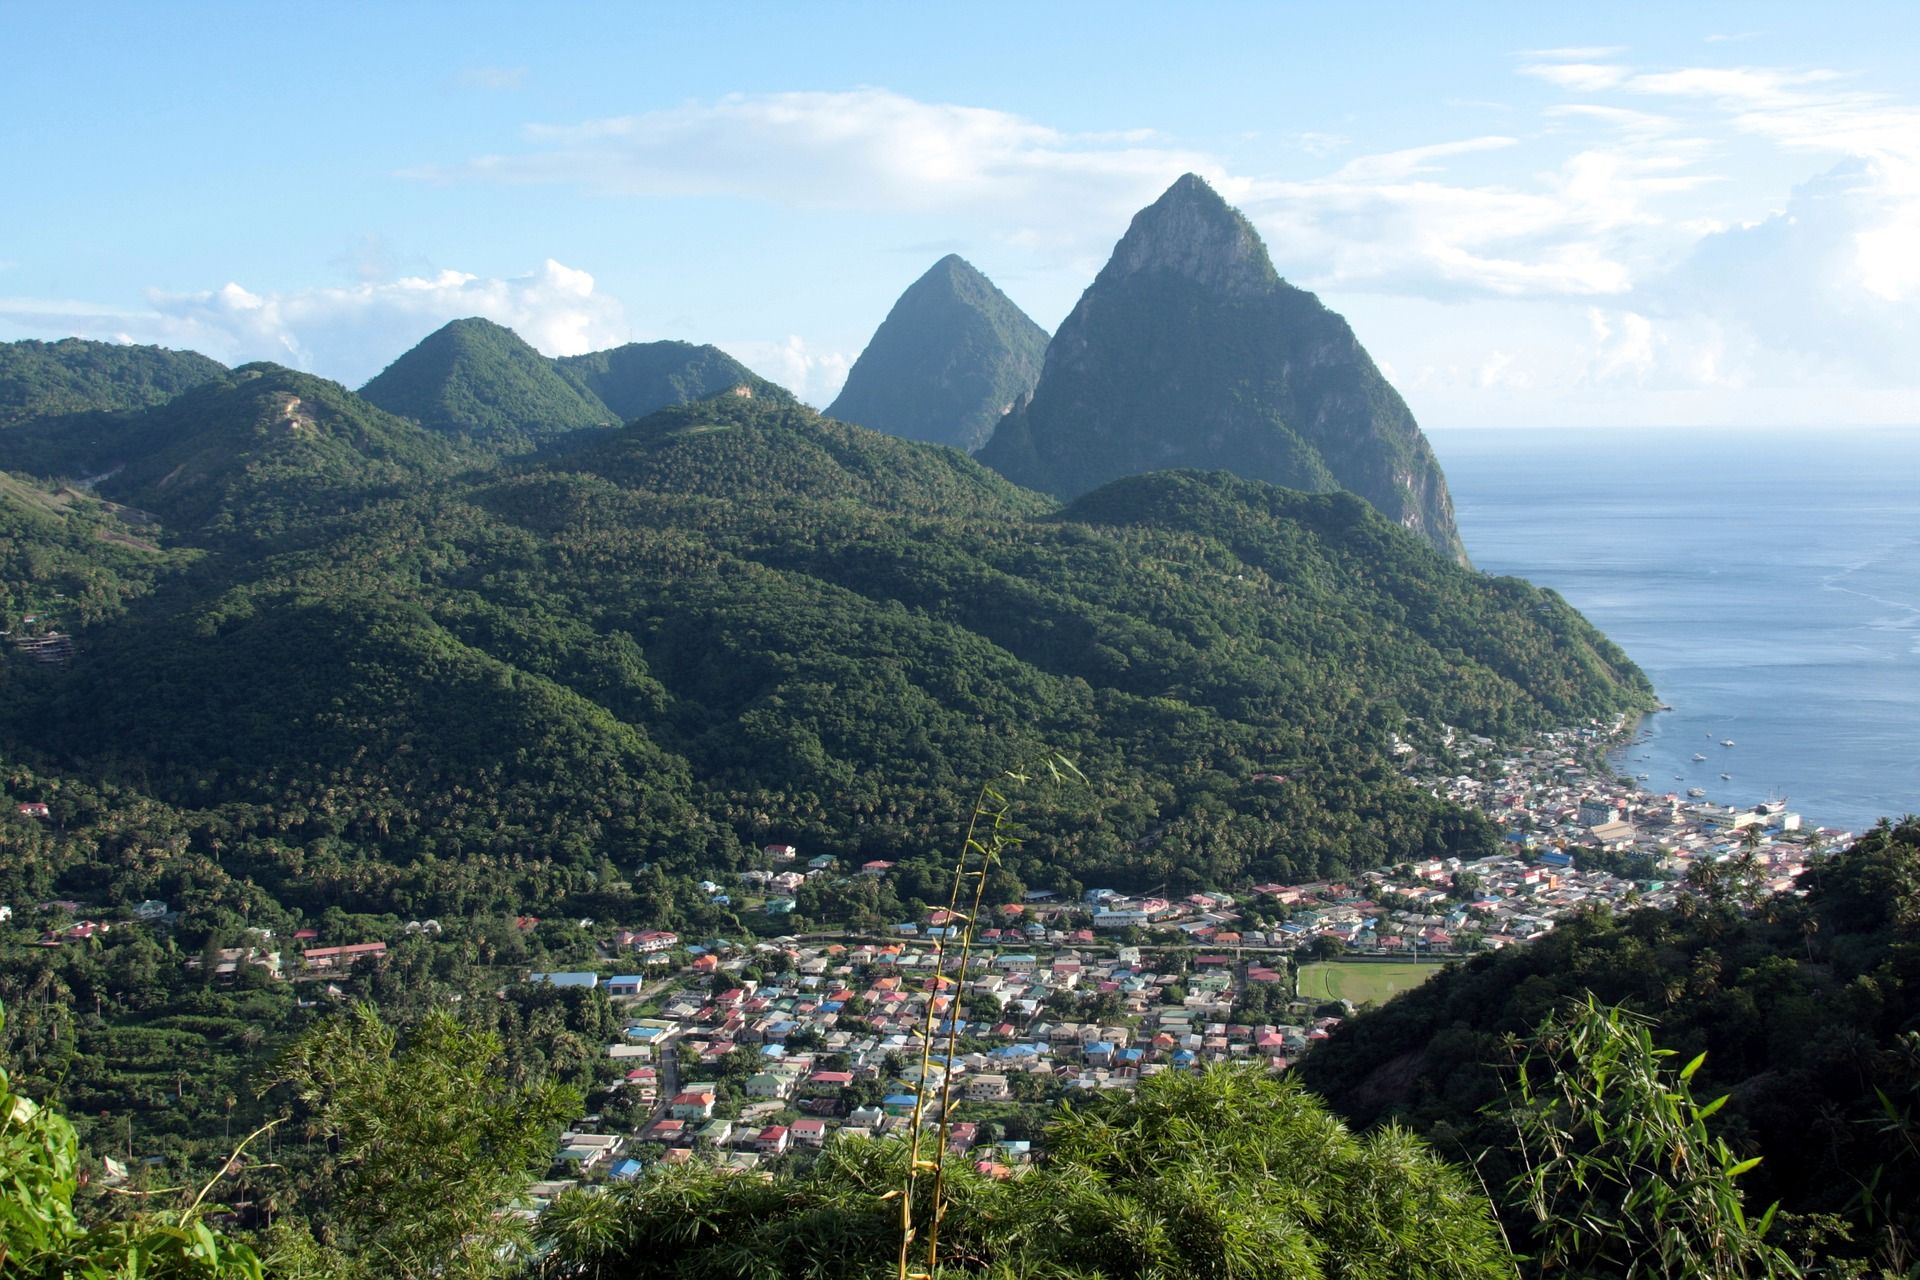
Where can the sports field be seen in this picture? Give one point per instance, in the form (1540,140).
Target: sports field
(1360,981)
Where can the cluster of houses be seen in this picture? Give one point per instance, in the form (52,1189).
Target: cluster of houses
(835,1037)
(259,951)
(832,1044)
(1554,806)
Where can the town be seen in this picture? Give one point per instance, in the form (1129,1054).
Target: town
(743,1050)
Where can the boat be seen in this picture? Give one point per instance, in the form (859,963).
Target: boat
(1698,756)
(1696,792)
(1727,776)
(1726,742)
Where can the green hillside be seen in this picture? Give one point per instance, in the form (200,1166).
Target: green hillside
(737,620)
(640,377)
(73,375)
(480,381)
(69,558)
(262,452)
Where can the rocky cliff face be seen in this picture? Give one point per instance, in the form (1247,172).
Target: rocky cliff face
(952,356)
(1189,350)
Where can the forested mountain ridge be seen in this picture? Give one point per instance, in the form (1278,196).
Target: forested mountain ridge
(953,355)
(256,452)
(481,381)
(738,446)
(73,375)
(640,377)
(414,678)
(1188,350)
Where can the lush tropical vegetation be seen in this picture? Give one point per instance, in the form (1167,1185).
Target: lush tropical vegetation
(418,679)
(1806,1006)
(481,381)
(640,377)
(398,677)
(73,375)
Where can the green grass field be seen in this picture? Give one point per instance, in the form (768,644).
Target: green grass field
(1360,981)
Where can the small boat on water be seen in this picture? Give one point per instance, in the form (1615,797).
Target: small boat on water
(1696,792)
(1727,776)
(1698,756)
(1726,742)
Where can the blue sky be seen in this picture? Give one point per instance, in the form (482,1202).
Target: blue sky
(1533,215)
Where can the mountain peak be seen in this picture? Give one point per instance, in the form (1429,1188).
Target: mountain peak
(1192,232)
(952,356)
(1189,351)
(481,380)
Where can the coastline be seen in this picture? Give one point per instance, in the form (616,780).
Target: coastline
(1792,627)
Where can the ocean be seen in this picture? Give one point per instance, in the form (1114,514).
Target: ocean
(1768,582)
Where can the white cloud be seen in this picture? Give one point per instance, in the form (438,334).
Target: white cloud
(1622,346)
(1499,370)
(1582,76)
(347,333)
(865,148)
(1828,289)
(1389,223)
(1407,163)
(1644,125)
(814,376)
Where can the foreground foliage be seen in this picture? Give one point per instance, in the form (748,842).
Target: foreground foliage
(430,1144)
(1619,1172)
(1807,1008)
(42,1235)
(1220,1174)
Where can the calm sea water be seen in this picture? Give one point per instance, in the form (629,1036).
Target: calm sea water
(1767,582)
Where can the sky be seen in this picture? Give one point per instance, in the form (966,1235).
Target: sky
(1533,215)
